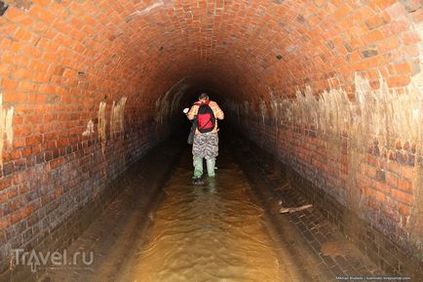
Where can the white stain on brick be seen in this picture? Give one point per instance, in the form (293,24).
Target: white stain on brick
(147,10)
(89,130)
(6,127)
(416,222)
(274,107)
(263,111)
(169,103)
(101,126)
(418,67)
(117,118)
(162,107)
(383,113)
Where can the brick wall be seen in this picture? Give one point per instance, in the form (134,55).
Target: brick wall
(85,91)
(372,200)
(41,196)
(79,102)
(352,128)
(361,165)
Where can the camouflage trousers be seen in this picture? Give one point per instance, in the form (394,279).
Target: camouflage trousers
(206,145)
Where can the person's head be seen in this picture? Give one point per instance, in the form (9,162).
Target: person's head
(203,97)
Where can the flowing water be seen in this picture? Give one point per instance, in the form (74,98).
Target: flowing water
(214,232)
(174,231)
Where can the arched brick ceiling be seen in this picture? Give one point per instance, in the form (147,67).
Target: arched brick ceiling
(81,51)
(139,46)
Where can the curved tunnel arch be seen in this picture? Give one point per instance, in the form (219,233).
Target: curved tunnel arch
(129,43)
(61,59)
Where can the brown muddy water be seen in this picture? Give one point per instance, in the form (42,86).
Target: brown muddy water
(158,230)
(213,232)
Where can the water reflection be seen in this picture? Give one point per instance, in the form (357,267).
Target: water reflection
(207,233)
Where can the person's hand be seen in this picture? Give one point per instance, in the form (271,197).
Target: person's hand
(186,110)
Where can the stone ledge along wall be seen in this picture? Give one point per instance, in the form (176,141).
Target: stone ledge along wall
(331,87)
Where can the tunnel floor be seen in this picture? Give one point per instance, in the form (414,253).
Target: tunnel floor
(220,231)
(206,233)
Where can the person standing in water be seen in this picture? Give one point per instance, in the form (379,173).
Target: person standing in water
(206,139)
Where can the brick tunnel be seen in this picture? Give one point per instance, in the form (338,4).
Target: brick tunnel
(323,104)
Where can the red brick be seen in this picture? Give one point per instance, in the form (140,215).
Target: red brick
(410,38)
(375,21)
(403,197)
(404,210)
(373,36)
(4,222)
(398,81)
(382,4)
(403,69)
(56,163)
(418,16)
(392,179)
(405,185)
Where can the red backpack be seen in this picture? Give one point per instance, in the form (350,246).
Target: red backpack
(206,120)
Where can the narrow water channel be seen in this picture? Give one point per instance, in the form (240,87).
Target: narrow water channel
(163,228)
(214,232)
